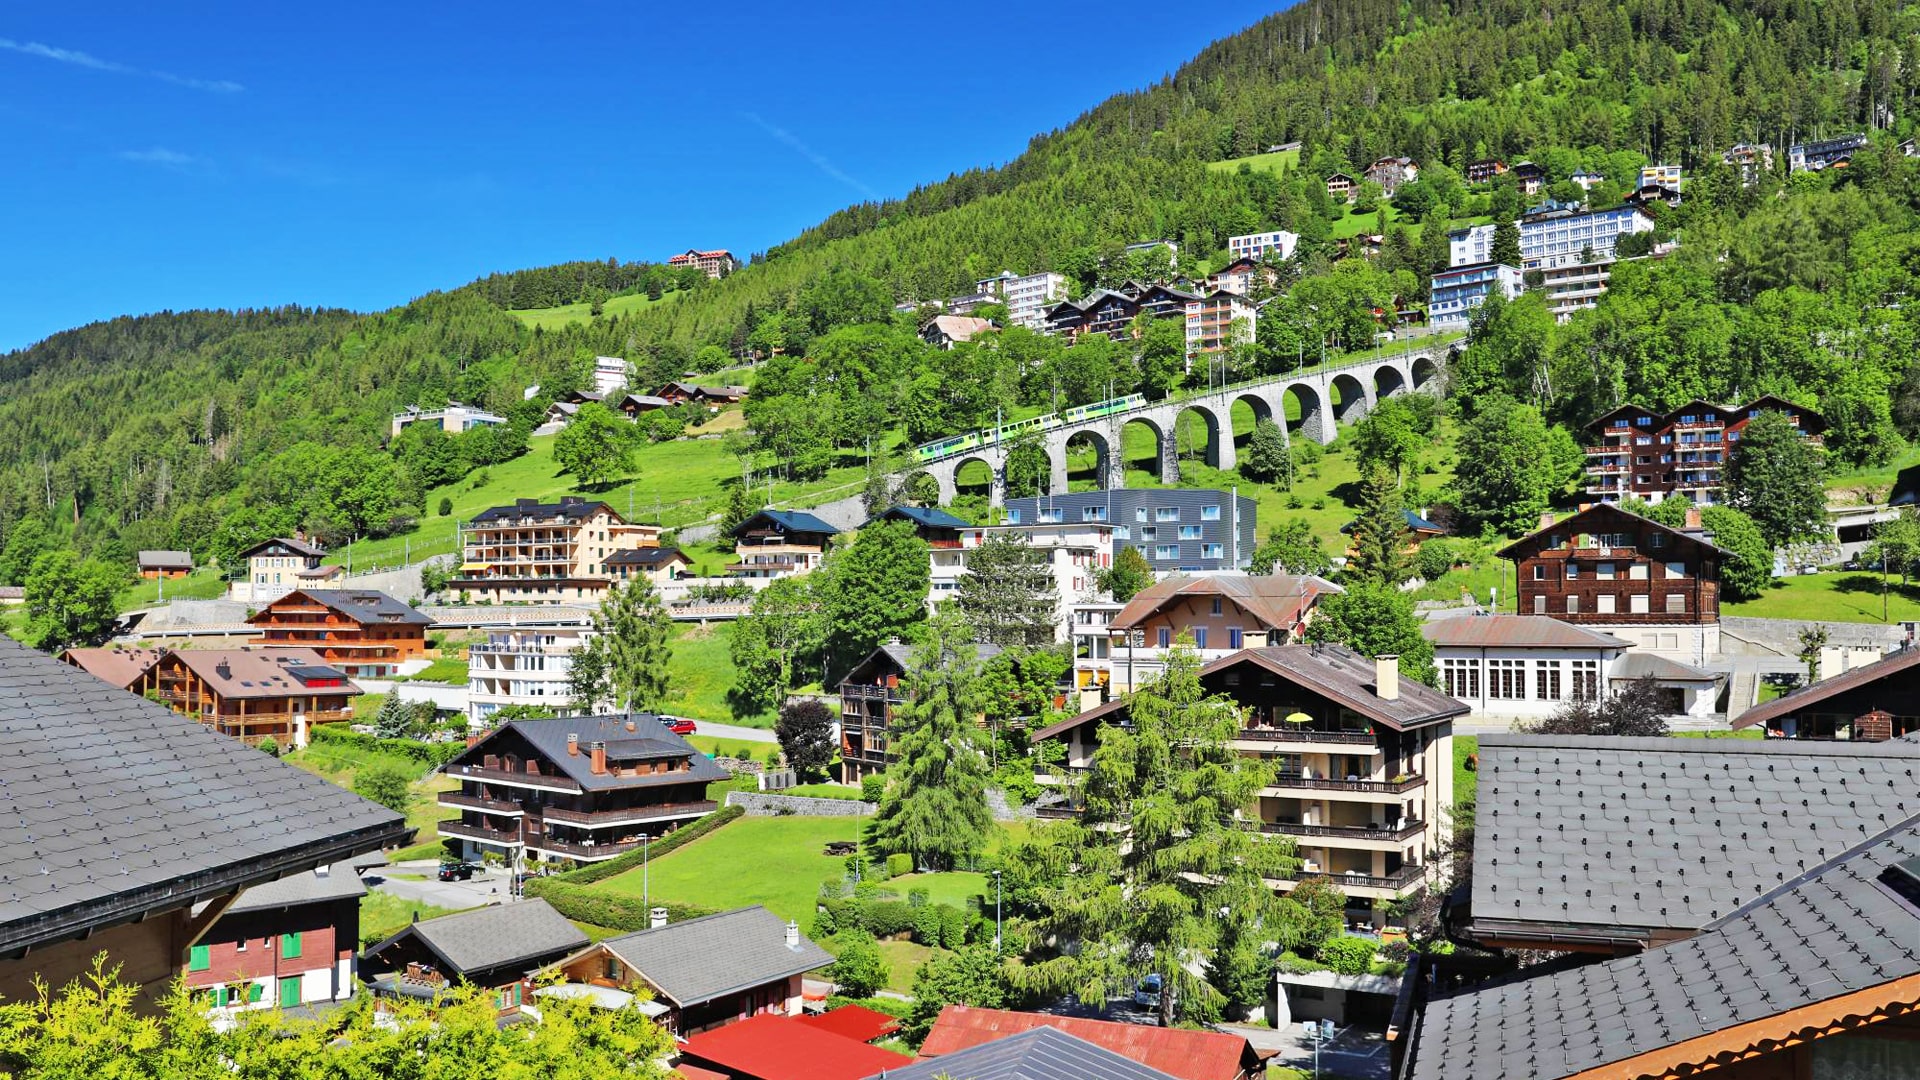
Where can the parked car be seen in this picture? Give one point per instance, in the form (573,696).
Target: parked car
(1146,993)
(457,871)
(680,725)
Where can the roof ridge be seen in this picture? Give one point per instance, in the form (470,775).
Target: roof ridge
(1816,871)
(1686,745)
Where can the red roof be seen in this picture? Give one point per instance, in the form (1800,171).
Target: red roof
(772,1047)
(856,1022)
(695,1072)
(1189,1055)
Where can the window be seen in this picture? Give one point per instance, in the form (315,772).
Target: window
(1189,532)
(1212,551)
(1586,679)
(1573,605)
(1676,603)
(1093,513)
(1210,513)
(1166,513)
(1139,513)
(1234,638)
(1166,637)
(289,946)
(1149,532)
(1657,540)
(1603,604)
(1166,552)
(1215,606)
(1573,570)
(1123,532)
(1539,571)
(1637,571)
(1603,571)
(1013,517)
(1539,605)
(199,958)
(1676,571)
(1049,515)
(1637,604)
(1461,678)
(1546,680)
(1507,679)
(1199,637)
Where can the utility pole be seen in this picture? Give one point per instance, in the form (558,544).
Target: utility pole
(996,912)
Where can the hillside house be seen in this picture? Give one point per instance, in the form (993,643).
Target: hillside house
(703,973)
(1219,614)
(1391,172)
(657,565)
(1454,293)
(217,819)
(279,566)
(871,693)
(360,631)
(1275,245)
(1835,153)
(779,543)
(115,665)
(164,564)
(1340,186)
(494,948)
(946,331)
(1103,311)
(1218,321)
(1484,170)
(534,552)
(284,944)
(252,694)
(521,667)
(579,789)
(1530,178)
(1654,456)
(715,264)
(454,418)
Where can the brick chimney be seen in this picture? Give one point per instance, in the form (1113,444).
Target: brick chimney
(1693,517)
(598,760)
(1386,677)
(573,745)
(657,918)
(1876,726)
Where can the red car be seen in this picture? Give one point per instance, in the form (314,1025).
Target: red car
(680,725)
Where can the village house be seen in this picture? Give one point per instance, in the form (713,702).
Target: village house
(715,264)
(285,944)
(632,406)
(1178,1052)
(1471,246)
(779,543)
(575,790)
(1530,178)
(494,948)
(1653,456)
(279,566)
(946,331)
(657,565)
(216,819)
(871,693)
(1027,296)
(1219,614)
(703,973)
(165,564)
(1241,275)
(1874,703)
(362,632)
(1834,153)
(1364,757)
(534,552)
(1485,169)
(1391,172)
(1522,667)
(1075,552)
(1217,321)
(1189,530)
(115,665)
(521,667)
(1103,311)
(1276,246)
(252,694)
(1340,186)
(1454,293)
(1609,570)
(453,419)
(1752,159)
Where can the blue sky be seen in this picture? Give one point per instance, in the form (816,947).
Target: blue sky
(357,155)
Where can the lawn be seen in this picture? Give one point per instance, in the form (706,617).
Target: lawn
(1279,161)
(1840,597)
(447,669)
(778,862)
(700,673)
(1465,780)
(383,914)
(903,959)
(713,746)
(555,318)
(204,583)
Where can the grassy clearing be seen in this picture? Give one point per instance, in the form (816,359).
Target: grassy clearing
(713,746)
(383,914)
(1842,597)
(447,669)
(555,318)
(903,959)
(204,583)
(1865,486)
(700,673)
(1278,161)
(339,764)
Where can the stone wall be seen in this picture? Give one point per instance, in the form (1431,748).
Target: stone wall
(766,804)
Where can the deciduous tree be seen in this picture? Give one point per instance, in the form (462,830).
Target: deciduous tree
(69,602)
(596,448)
(1375,620)
(874,590)
(805,731)
(1129,574)
(1746,574)
(1291,548)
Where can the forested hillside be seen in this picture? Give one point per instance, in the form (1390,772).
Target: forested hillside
(202,430)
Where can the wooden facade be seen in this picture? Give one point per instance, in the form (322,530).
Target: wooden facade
(370,639)
(1605,566)
(279,956)
(250,694)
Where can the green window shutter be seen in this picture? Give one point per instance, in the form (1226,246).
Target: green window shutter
(254,990)
(289,946)
(199,958)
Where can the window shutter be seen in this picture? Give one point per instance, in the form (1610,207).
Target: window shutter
(289,946)
(254,990)
(199,958)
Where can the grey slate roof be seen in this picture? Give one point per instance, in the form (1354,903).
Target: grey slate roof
(365,606)
(120,807)
(792,521)
(1654,666)
(650,739)
(165,559)
(340,882)
(494,937)
(569,508)
(1670,833)
(701,959)
(929,516)
(1344,676)
(646,556)
(1045,1053)
(1820,935)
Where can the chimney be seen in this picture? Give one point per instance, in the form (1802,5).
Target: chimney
(793,934)
(1546,521)
(1693,517)
(1876,726)
(225,669)
(1386,677)
(598,750)
(573,745)
(631,726)
(656,918)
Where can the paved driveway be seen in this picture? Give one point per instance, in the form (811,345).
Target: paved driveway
(485,887)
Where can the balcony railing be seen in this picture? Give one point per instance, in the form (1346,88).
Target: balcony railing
(504,776)
(871,693)
(587,851)
(1608,451)
(1410,874)
(533,650)
(1291,734)
(1347,832)
(605,818)
(1371,787)
(504,837)
(476,802)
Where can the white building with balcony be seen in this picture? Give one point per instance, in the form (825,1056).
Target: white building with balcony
(521,667)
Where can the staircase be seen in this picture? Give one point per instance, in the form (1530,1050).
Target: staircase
(1740,695)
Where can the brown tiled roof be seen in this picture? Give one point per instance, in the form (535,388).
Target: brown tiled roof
(1812,695)
(119,667)
(1186,1054)
(1344,676)
(1276,600)
(262,673)
(1515,632)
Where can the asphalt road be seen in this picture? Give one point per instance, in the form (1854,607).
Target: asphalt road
(485,887)
(734,731)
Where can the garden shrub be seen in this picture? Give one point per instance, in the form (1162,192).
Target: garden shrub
(872,788)
(1349,955)
(899,863)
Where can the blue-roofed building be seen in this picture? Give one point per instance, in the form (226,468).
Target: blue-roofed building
(1177,529)
(1456,292)
(779,543)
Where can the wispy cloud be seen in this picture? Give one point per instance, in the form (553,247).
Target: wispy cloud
(162,158)
(87,60)
(819,161)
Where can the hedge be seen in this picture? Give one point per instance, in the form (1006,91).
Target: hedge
(935,924)
(615,911)
(899,864)
(433,755)
(673,841)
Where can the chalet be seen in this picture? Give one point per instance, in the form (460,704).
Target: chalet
(1835,153)
(1752,159)
(779,543)
(1791,968)
(946,331)
(576,789)
(1365,761)
(114,665)
(1418,531)
(764,1047)
(1219,614)
(252,694)
(285,944)
(632,405)
(723,395)
(1479,172)
(1340,186)
(1530,177)
(872,692)
(278,566)
(1587,180)
(1867,704)
(534,552)
(215,820)
(1241,275)
(1524,667)
(678,393)
(656,564)
(1647,195)
(1391,172)
(1162,301)
(1647,583)
(1653,456)
(1178,1052)
(362,632)
(1103,311)
(702,973)
(494,948)
(165,564)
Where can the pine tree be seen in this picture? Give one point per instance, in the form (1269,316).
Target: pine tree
(1379,534)
(635,628)
(1008,593)
(935,806)
(1506,243)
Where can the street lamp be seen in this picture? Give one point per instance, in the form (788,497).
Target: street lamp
(996,913)
(646,881)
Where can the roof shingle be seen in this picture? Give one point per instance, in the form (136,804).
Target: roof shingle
(701,959)
(1045,1053)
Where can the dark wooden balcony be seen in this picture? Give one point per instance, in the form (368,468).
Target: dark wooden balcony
(457,800)
(456,827)
(587,851)
(1346,832)
(1371,787)
(607,818)
(1306,734)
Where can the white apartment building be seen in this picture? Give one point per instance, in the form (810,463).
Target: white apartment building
(1466,247)
(1557,240)
(1027,296)
(1526,667)
(609,374)
(520,667)
(1076,552)
(1663,175)
(453,419)
(1257,245)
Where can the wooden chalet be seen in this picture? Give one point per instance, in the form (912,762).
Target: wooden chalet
(252,694)
(361,631)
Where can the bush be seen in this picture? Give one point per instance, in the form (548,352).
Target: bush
(886,918)
(685,834)
(899,863)
(615,911)
(269,746)
(385,785)
(917,897)
(926,925)
(1349,955)
(872,788)
(859,969)
(1434,559)
(953,926)
(446,506)
(433,755)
